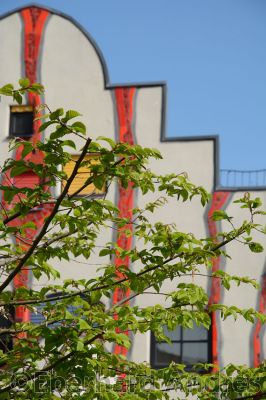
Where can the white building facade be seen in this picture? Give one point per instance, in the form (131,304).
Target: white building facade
(53,49)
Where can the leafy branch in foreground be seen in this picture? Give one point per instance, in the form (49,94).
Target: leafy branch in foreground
(66,355)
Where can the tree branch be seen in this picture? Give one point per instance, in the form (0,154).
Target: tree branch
(18,214)
(114,283)
(48,220)
(90,180)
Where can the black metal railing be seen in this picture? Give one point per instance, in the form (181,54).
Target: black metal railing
(242,178)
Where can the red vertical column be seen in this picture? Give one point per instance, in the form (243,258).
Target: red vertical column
(124,103)
(218,202)
(34,19)
(257,359)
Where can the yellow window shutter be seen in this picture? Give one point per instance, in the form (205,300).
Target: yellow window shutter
(82,175)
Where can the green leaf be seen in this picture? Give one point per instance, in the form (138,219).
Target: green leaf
(42,116)
(99,181)
(119,338)
(36,273)
(83,324)
(37,88)
(68,315)
(60,131)
(45,125)
(226,283)
(220,215)
(108,140)
(29,224)
(71,114)
(104,252)
(69,143)
(80,345)
(95,296)
(256,203)
(56,114)
(255,247)
(79,127)
(27,148)
(25,82)
(7,90)
(18,170)
(17,97)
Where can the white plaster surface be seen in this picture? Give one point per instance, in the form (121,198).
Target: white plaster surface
(73,77)
(10,72)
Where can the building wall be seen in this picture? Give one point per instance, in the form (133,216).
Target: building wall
(55,50)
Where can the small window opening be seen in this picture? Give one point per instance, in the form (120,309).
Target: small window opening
(21,121)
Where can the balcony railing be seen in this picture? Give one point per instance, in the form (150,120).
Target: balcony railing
(240,178)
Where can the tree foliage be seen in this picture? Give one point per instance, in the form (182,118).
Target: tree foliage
(68,354)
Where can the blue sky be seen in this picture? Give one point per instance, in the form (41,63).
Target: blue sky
(211,53)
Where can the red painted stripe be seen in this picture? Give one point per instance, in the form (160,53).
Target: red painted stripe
(218,201)
(257,339)
(34,20)
(124,104)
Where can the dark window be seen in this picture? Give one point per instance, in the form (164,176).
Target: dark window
(7,316)
(189,347)
(38,318)
(21,121)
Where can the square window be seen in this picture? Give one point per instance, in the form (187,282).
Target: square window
(21,121)
(189,347)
